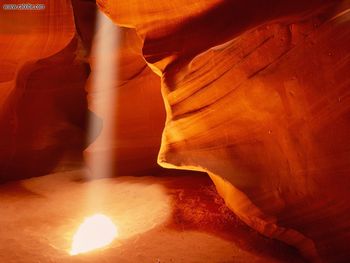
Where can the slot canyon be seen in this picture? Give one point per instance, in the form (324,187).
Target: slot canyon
(175,131)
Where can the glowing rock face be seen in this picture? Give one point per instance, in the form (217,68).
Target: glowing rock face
(263,113)
(95,232)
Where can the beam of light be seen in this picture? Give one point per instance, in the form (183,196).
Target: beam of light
(102,97)
(95,232)
(137,205)
(98,230)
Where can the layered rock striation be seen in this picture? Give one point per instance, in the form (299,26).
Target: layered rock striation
(256,96)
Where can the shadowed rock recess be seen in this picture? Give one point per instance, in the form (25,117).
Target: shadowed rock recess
(254,93)
(42,97)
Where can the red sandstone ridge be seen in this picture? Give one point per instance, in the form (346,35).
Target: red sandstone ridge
(257,97)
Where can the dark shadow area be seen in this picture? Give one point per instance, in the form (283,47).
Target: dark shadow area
(198,207)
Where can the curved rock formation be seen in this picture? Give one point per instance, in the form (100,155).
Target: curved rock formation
(256,95)
(42,98)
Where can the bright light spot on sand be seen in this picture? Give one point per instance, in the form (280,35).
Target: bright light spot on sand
(95,232)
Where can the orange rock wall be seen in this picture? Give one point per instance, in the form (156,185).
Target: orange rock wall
(255,95)
(42,98)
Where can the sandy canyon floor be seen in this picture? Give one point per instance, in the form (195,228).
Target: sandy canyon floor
(168,218)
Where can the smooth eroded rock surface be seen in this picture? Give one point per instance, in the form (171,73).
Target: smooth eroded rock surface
(42,97)
(255,93)
(257,97)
